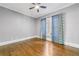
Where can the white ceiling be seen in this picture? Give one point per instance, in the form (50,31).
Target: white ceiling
(24,8)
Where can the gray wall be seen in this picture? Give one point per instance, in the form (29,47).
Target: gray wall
(72,24)
(71,20)
(38,27)
(14,26)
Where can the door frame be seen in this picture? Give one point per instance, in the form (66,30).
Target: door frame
(62,19)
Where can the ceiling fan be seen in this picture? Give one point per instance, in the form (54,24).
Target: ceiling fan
(37,6)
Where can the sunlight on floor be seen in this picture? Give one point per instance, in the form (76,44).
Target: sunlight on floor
(48,49)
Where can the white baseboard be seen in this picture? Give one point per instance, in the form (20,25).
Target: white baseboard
(49,39)
(72,44)
(13,41)
(38,36)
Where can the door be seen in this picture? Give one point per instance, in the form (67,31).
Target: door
(43,28)
(57,29)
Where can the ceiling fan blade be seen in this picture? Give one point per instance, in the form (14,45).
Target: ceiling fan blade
(37,10)
(43,6)
(33,3)
(38,3)
(31,7)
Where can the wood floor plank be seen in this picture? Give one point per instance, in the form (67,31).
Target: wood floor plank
(37,47)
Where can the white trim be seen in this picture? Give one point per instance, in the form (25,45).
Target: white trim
(13,41)
(38,36)
(49,39)
(72,44)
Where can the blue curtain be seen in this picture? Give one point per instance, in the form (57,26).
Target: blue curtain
(57,29)
(43,28)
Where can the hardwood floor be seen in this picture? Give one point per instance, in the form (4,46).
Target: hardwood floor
(37,47)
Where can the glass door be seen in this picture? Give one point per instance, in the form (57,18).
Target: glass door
(57,29)
(43,28)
